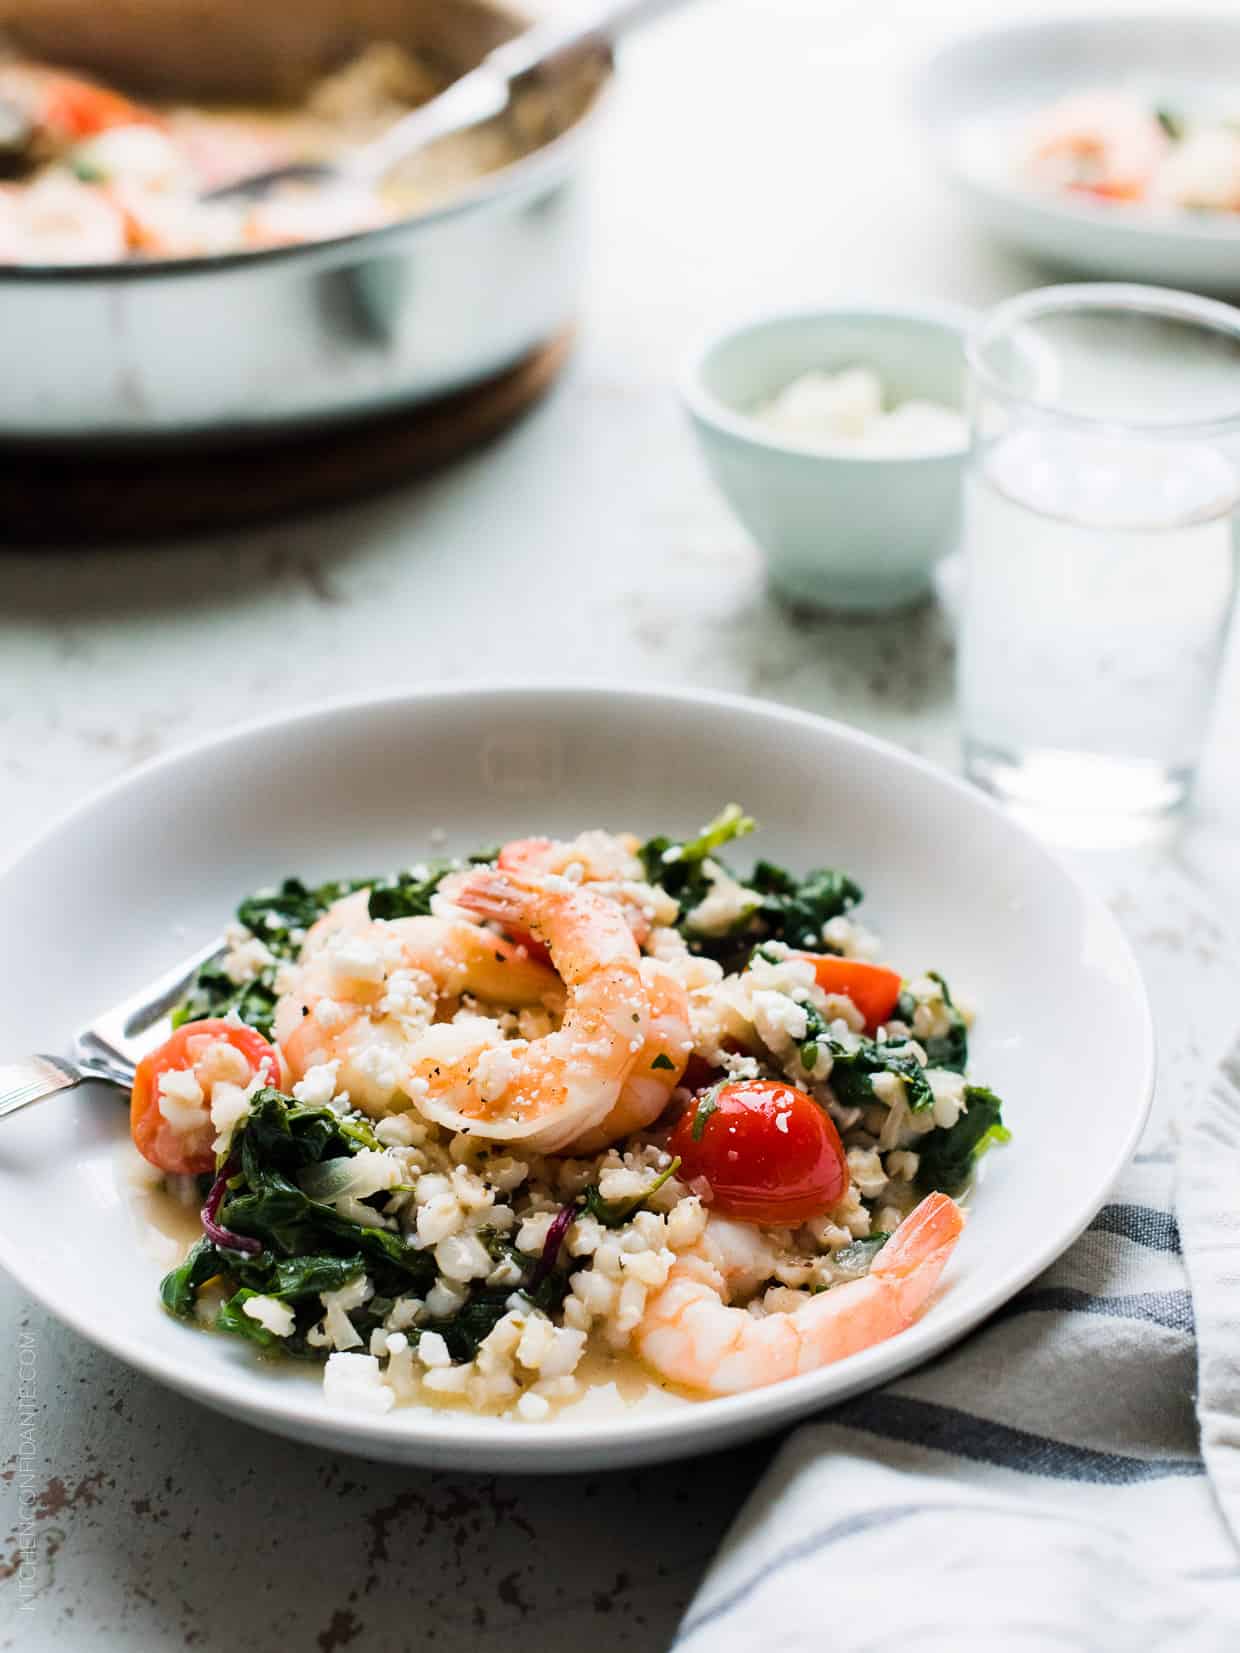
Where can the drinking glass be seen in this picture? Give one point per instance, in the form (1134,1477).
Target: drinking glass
(1100,545)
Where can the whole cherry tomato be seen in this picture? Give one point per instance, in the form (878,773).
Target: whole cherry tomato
(189,1151)
(769,1152)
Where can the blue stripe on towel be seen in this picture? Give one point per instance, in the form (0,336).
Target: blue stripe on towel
(1172,1309)
(945,1429)
(1143,1223)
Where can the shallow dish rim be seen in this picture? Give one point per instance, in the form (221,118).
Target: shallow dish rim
(508,1444)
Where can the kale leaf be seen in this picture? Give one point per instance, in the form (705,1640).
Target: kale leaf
(785,908)
(487,1306)
(948,1154)
(679,867)
(857,1255)
(308,1247)
(179,1289)
(852,1073)
(233,1318)
(274,915)
(794,910)
(214,994)
(853,1070)
(945,1050)
(615,1213)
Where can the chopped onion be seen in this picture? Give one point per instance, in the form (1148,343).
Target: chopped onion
(354,1177)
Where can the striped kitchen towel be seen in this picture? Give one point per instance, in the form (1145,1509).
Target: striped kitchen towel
(1066,1478)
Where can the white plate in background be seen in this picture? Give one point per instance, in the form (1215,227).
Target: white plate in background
(976,95)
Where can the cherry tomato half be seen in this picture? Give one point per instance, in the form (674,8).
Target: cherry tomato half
(189,1152)
(525,855)
(871,987)
(768,1151)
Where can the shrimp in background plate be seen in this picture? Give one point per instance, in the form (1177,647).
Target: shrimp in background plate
(58,220)
(1202,171)
(542,1092)
(692,1336)
(1099,143)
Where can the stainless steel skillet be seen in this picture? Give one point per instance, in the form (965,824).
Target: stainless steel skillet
(242,346)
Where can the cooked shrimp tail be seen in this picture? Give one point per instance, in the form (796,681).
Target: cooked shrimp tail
(691,1335)
(923,1242)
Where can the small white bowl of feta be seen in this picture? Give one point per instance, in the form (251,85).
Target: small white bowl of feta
(839,438)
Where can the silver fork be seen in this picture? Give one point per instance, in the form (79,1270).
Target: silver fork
(110,1048)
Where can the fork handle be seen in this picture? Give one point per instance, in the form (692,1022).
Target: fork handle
(38,1077)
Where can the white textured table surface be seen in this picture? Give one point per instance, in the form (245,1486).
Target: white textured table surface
(754,155)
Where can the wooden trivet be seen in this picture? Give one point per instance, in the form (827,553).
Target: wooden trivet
(57,496)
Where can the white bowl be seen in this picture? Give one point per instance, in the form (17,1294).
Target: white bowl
(133,879)
(976,94)
(840,530)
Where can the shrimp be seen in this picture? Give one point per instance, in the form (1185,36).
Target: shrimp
(1101,143)
(365,990)
(608,863)
(58,220)
(690,1334)
(660,1063)
(542,1092)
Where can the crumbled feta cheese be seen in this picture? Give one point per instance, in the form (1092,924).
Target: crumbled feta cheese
(230,1104)
(445,1298)
(246,962)
(340,1329)
(447,1380)
(433,1351)
(400,1130)
(780,1022)
(725,905)
(356,1381)
(498,1069)
(902,1165)
(866,1170)
(275,1316)
(181,1085)
(888,1088)
(440,1217)
(565,1350)
(317,1087)
(463,1257)
(181,1101)
(948,1089)
(354,961)
(832,410)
